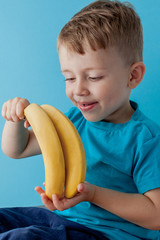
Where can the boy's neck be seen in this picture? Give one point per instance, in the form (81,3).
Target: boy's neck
(122,115)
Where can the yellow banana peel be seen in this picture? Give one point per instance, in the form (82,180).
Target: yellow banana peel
(62,149)
(50,145)
(73,150)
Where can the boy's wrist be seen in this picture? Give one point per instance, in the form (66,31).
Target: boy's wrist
(93,193)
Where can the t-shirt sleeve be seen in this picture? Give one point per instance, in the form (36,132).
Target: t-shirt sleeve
(146,171)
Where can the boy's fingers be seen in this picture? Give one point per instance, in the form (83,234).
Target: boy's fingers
(47,202)
(13,109)
(57,203)
(39,190)
(21,105)
(12,112)
(8,112)
(4,108)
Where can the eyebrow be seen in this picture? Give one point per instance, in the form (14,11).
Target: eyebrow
(85,69)
(66,70)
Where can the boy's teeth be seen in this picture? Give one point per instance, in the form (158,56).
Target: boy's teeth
(86,104)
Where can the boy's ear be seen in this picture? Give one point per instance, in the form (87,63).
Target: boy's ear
(137,71)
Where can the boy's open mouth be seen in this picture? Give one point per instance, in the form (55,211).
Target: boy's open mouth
(86,106)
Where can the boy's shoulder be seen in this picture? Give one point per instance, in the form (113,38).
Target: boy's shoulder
(151,125)
(145,125)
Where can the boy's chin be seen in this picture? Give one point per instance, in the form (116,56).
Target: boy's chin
(91,118)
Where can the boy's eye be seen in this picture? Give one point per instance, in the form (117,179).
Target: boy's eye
(69,79)
(96,78)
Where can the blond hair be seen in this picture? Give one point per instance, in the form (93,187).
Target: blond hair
(104,24)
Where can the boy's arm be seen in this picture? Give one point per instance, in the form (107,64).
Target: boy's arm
(17,140)
(143,210)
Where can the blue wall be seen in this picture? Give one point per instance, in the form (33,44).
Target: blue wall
(29,67)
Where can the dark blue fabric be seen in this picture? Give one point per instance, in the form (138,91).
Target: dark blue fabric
(38,223)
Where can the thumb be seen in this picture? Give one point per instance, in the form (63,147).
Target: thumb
(83,187)
(88,190)
(26,124)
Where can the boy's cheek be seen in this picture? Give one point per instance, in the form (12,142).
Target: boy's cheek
(69,93)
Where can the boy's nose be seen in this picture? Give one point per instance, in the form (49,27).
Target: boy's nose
(81,88)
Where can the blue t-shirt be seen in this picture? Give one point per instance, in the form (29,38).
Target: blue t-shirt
(123,157)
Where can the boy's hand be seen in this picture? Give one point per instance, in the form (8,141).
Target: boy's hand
(13,110)
(86,192)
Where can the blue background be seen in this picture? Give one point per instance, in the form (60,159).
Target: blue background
(29,67)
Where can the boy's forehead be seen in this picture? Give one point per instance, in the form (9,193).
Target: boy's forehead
(99,59)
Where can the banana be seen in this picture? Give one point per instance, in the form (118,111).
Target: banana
(74,153)
(51,148)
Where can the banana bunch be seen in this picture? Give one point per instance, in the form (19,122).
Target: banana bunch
(62,149)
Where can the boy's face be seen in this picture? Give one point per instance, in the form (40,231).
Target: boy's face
(97,83)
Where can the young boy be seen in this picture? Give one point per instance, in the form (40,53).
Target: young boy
(100,52)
